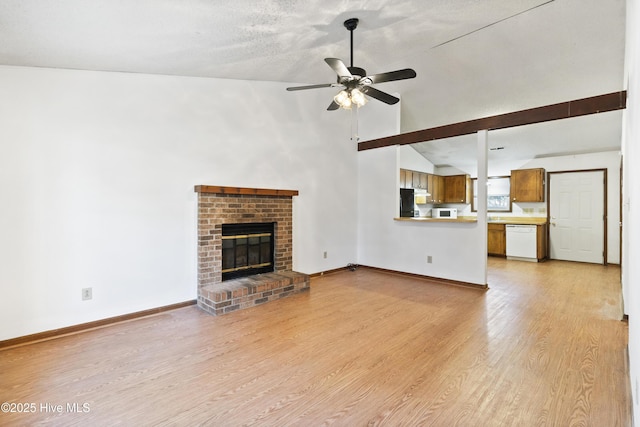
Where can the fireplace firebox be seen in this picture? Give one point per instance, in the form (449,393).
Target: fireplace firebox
(247,249)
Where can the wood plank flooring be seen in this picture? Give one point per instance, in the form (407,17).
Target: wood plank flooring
(543,346)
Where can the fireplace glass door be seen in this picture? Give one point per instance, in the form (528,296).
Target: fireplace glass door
(247,249)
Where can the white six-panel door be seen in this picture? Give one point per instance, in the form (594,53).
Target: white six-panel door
(576,216)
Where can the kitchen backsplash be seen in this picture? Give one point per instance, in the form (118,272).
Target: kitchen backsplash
(517,210)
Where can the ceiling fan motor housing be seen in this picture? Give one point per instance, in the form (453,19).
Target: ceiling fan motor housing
(357,71)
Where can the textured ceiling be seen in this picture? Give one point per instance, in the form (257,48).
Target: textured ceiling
(473,58)
(241,39)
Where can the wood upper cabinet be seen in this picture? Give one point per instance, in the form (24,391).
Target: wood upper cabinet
(424,181)
(403,178)
(437,189)
(440,189)
(527,185)
(413,179)
(496,240)
(430,188)
(416,180)
(457,189)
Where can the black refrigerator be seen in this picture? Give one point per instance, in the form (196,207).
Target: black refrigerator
(406,202)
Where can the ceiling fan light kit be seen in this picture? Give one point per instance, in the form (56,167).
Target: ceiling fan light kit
(354,80)
(346,99)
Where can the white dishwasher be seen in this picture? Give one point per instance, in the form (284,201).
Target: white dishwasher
(521,242)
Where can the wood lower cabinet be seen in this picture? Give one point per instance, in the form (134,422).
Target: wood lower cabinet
(527,185)
(542,242)
(496,240)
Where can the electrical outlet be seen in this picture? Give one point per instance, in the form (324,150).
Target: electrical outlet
(87,294)
(325,255)
(429,259)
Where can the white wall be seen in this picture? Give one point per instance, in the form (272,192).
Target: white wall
(412,160)
(404,245)
(399,245)
(631,198)
(96,180)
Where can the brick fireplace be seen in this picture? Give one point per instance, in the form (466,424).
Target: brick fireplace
(218,206)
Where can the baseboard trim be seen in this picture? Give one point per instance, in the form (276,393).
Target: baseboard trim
(323,273)
(56,333)
(430,278)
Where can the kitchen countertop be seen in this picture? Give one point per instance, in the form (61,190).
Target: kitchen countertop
(523,220)
(464,219)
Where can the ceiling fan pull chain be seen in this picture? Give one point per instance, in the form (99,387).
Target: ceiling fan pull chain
(354,125)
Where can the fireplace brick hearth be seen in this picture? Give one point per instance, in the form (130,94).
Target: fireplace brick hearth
(228,205)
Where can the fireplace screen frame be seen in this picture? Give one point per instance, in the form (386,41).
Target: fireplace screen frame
(247,249)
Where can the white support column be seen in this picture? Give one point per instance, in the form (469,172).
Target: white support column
(481,205)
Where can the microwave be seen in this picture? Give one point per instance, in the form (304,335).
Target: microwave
(444,213)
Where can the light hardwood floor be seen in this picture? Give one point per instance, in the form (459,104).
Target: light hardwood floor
(543,346)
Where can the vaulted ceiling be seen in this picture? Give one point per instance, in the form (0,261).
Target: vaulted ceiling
(473,58)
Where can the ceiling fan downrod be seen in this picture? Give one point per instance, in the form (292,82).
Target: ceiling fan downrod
(351,24)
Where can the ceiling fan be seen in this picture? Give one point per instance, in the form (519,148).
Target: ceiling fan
(355,82)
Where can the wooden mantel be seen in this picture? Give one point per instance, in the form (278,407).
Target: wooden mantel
(244,191)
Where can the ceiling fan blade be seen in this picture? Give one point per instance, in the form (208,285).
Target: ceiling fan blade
(338,66)
(333,106)
(380,95)
(407,73)
(312,86)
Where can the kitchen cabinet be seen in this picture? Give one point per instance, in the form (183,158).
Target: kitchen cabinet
(406,178)
(403,173)
(457,189)
(440,189)
(430,188)
(527,185)
(413,179)
(423,181)
(542,242)
(496,240)
(437,189)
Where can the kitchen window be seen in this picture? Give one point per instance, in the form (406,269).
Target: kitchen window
(498,194)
